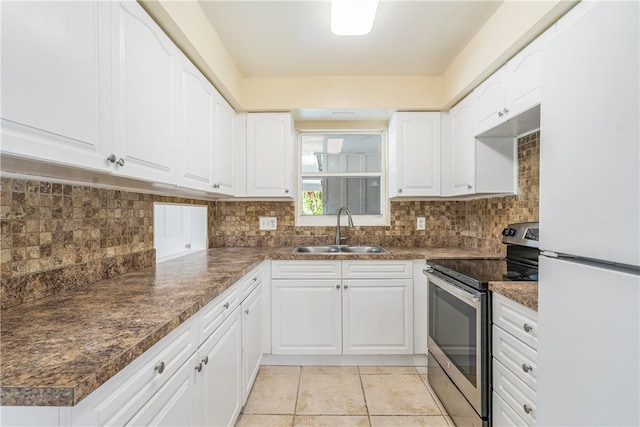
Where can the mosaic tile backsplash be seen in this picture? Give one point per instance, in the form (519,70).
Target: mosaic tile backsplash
(475,224)
(58,236)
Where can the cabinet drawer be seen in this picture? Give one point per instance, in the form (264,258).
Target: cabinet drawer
(516,355)
(116,401)
(305,269)
(249,282)
(213,314)
(515,318)
(519,396)
(503,415)
(377,269)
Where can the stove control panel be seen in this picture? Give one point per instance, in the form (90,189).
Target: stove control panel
(522,234)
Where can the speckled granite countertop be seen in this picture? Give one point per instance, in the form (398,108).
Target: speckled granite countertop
(525,293)
(57,350)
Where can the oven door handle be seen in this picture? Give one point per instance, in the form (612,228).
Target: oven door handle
(472,298)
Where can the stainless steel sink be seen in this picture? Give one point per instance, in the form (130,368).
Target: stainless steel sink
(340,249)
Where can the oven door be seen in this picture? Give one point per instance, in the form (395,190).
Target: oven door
(457,318)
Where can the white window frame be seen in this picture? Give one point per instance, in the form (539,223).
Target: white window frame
(330,220)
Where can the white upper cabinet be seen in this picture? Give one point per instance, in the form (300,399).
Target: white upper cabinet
(511,91)
(196,130)
(269,154)
(144,95)
(55,82)
(458,150)
(223,159)
(414,154)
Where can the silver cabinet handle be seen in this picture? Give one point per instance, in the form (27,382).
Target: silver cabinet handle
(199,367)
(500,114)
(286,190)
(159,367)
(247,311)
(469,187)
(527,368)
(120,162)
(527,327)
(226,305)
(346,286)
(527,408)
(337,286)
(399,190)
(205,360)
(112,158)
(506,110)
(216,186)
(255,279)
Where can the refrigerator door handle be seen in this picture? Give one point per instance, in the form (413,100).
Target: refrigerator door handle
(550,254)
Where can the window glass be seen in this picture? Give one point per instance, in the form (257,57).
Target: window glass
(341,170)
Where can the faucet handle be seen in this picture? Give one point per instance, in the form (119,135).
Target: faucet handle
(344,239)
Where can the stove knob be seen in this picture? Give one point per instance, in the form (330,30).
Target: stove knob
(512,232)
(505,232)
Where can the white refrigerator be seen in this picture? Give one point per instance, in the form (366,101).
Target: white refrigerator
(589,278)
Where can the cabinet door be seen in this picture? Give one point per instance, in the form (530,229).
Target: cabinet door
(174,404)
(223,160)
(524,76)
(251,339)
(196,127)
(269,154)
(220,378)
(490,102)
(144,95)
(378,316)
(458,151)
(56,82)
(306,316)
(415,155)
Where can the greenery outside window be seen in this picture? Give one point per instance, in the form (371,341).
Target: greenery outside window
(341,168)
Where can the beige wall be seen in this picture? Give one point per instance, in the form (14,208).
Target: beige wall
(514,24)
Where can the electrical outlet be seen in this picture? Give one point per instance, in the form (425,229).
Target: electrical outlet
(268,223)
(421,223)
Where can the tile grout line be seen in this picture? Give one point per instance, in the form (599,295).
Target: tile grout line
(364,397)
(295,406)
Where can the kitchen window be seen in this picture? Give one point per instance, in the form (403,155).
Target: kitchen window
(341,168)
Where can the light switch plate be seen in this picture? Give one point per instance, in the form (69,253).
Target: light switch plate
(421,223)
(268,223)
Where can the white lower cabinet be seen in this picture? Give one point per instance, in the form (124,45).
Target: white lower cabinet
(200,374)
(219,374)
(514,349)
(372,314)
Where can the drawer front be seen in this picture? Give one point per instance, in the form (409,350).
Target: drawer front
(503,415)
(250,281)
(213,314)
(305,269)
(516,355)
(519,396)
(515,318)
(377,269)
(116,401)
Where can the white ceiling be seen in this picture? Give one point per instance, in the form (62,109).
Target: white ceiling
(292,38)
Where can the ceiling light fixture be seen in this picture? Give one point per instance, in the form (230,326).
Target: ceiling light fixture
(352,17)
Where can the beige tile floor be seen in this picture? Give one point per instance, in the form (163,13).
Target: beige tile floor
(372,396)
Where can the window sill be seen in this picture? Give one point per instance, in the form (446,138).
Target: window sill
(331,220)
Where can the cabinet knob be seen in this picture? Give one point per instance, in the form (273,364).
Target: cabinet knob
(527,408)
(527,368)
(286,190)
(205,360)
(399,190)
(346,286)
(469,186)
(199,367)
(112,158)
(216,186)
(500,114)
(337,286)
(506,111)
(527,327)
(120,162)
(246,311)
(159,367)
(226,305)
(255,279)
